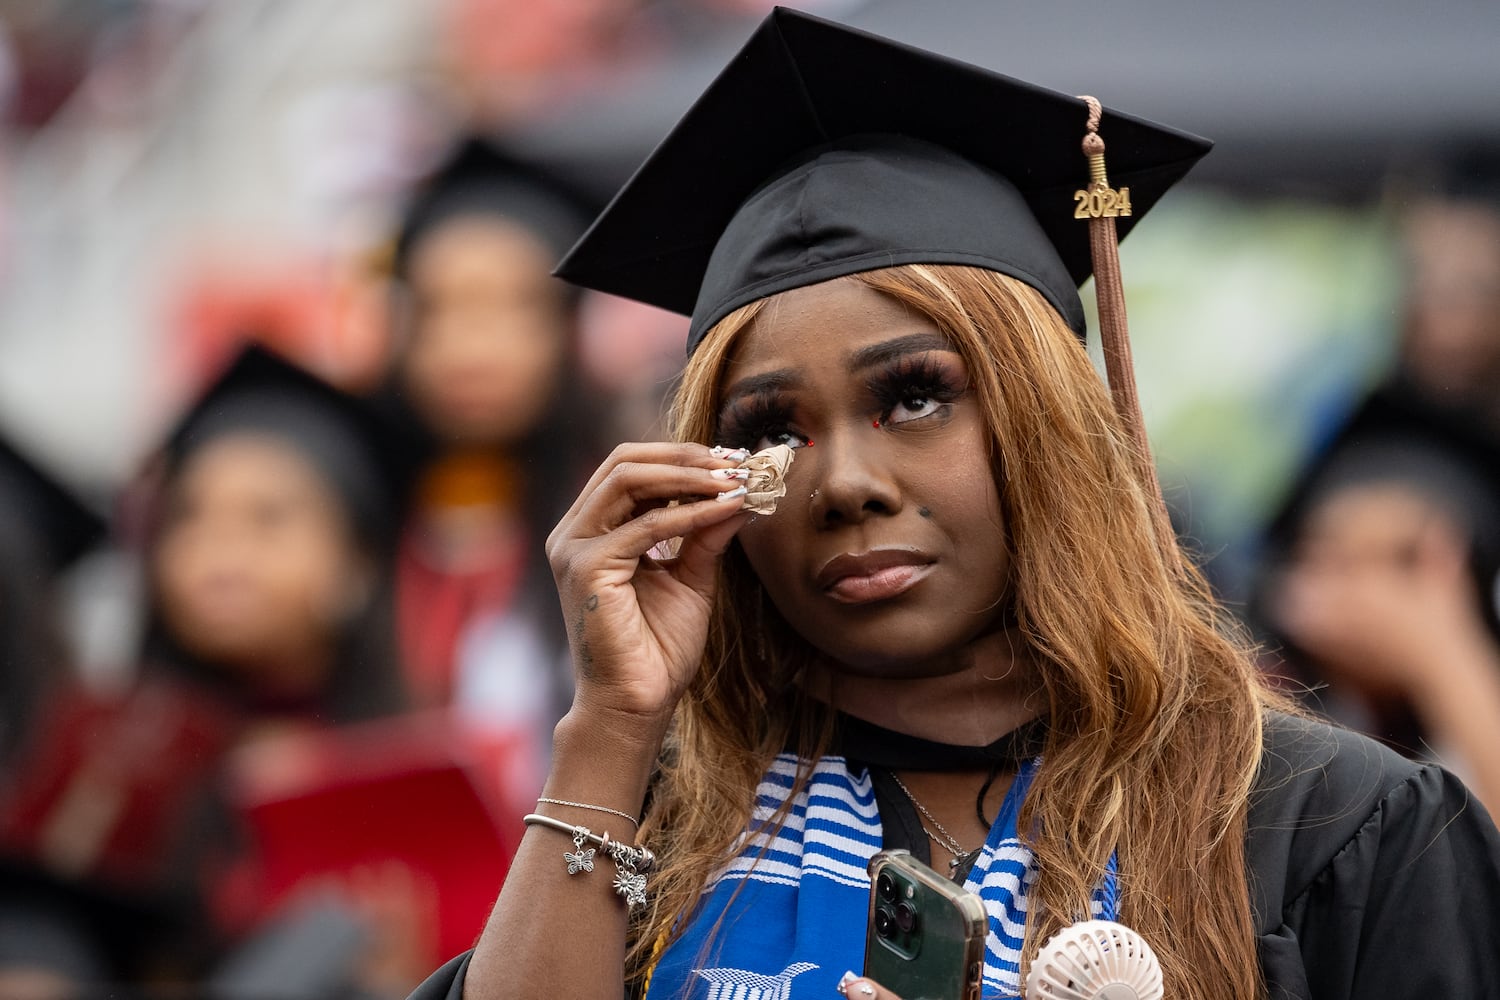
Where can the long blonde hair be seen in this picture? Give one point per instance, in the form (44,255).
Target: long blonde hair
(1154,705)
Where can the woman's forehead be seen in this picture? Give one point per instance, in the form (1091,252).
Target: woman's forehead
(250,456)
(838,322)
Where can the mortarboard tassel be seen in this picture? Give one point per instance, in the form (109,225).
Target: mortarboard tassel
(1101,205)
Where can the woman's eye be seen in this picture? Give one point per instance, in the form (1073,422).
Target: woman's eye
(917,388)
(760,421)
(913,408)
(780,436)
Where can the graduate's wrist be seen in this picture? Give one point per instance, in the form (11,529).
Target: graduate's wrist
(603,757)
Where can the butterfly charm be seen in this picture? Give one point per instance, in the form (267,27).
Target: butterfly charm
(582,861)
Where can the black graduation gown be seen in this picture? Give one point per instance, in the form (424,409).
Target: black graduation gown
(1373,877)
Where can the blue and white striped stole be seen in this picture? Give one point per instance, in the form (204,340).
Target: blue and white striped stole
(786,917)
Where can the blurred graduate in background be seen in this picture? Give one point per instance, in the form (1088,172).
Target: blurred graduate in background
(485,367)
(268,552)
(1449,351)
(1383,569)
(268,628)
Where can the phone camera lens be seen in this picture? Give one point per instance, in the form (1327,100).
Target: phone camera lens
(906,917)
(885,887)
(885,924)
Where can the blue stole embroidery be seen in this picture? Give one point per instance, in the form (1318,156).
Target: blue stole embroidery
(786,917)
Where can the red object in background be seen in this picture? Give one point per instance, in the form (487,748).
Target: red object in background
(110,787)
(390,814)
(327,316)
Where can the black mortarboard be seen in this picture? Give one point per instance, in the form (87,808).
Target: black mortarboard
(61,528)
(344,437)
(88,933)
(479,177)
(822,151)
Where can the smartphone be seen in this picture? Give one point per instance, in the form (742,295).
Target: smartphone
(924,939)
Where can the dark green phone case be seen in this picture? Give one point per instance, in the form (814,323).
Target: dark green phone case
(941,955)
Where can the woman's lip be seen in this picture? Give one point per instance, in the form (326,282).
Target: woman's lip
(872,576)
(880,585)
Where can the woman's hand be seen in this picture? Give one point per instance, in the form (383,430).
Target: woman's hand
(637,624)
(637,627)
(1380,592)
(860,988)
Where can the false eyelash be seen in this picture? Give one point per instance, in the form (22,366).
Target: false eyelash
(766,415)
(746,421)
(913,377)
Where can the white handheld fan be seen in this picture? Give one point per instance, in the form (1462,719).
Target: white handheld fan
(1095,960)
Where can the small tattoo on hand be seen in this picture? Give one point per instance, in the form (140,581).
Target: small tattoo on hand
(585,657)
(591,602)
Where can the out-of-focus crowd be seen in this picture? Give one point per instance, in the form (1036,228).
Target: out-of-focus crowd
(1380,578)
(304,776)
(349,659)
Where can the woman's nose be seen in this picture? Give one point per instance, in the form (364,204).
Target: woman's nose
(855,478)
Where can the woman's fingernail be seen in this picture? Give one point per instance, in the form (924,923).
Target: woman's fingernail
(730,473)
(845,980)
(733,494)
(732,454)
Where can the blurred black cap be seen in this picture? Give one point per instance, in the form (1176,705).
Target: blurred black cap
(37,507)
(1466,173)
(480,177)
(822,151)
(345,437)
(87,933)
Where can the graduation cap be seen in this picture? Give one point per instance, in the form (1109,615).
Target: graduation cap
(822,151)
(480,177)
(85,932)
(345,437)
(60,527)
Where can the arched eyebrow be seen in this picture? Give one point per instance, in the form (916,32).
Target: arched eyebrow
(861,360)
(886,351)
(765,382)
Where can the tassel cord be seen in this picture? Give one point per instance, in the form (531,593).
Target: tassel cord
(1114,337)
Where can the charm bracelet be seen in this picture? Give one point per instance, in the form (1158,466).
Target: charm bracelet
(631,863)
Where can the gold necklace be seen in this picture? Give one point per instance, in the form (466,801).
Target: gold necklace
(947,841)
